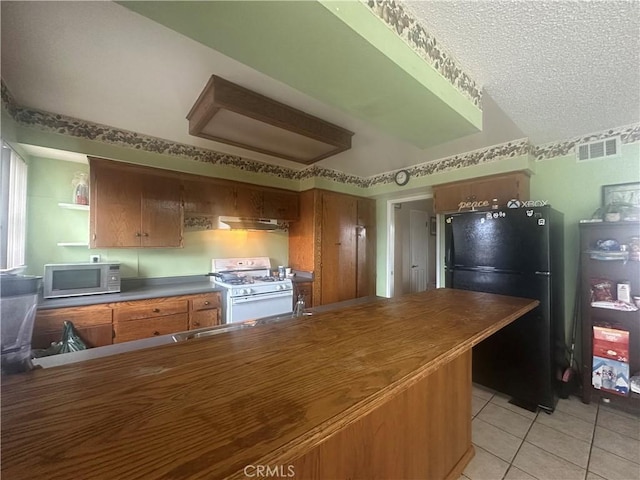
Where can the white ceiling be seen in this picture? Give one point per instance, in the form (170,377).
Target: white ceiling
(557,69)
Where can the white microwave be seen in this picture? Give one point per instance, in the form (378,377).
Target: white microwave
(74,279)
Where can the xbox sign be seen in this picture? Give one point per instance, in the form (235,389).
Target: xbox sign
(513,203)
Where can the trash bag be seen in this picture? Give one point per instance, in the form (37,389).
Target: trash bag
(71,342)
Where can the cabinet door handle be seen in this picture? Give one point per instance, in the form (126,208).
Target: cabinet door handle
(156,333)
(339,243)
(145,234)
(138,234)
(156,310)
(196,324)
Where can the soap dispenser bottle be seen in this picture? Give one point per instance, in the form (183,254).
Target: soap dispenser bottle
(299,310)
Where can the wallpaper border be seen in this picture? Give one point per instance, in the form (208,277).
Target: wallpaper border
(65,125)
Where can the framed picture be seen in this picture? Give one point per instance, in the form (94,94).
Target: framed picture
(432,225)
(621,193)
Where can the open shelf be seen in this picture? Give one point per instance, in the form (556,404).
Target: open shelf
(73,244)
(74,206)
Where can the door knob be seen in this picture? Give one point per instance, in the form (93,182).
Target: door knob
(414,266)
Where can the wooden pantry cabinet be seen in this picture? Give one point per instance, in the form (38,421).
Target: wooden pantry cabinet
(133,206)
(335,238)
(481,192)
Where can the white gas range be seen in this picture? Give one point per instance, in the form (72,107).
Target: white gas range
(249,290)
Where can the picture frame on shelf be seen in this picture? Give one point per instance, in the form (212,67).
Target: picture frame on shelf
(628,193)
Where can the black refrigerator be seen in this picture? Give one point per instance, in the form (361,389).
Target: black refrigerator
(516,252)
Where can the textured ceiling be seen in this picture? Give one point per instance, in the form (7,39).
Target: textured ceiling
(552,70)
(558,69)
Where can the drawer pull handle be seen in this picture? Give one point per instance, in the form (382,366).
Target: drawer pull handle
(196,324)
(156,333)
(156,310)
(206,303)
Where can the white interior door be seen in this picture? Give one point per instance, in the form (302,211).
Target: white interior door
(419,245)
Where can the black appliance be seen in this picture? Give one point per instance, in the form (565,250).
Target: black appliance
(516,252)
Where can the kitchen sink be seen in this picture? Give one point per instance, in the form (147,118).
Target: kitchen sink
(207,332)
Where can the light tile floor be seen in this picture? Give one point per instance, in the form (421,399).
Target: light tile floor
(577,441)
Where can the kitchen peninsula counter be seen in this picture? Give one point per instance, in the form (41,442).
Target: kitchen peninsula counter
(374,390)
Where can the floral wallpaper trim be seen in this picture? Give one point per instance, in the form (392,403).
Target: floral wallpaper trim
(424,44)
(628,134)
(495,153)
(92,131)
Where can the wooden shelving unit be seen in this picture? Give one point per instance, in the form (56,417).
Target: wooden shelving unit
(615,266)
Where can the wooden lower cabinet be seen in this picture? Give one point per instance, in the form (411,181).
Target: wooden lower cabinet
(422,432)
(92,323)
(117,322)
(125,331)
(204,310)
(147,318)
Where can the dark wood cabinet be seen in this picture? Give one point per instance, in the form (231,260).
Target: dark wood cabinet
(146,318)
(116,322)
(456,196)
(338,248)
(214,197)
(204,310)
(207,197)
(133,207)
(335,238)
(92,323)
(601,271)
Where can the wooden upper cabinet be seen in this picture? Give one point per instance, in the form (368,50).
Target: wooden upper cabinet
(481,192)
(133,207)
(249,202)
(281,205)
(208,197)
(213,197)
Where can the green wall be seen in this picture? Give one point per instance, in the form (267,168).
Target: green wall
(48,224)
(575,189)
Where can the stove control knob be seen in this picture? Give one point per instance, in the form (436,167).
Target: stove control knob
(247,291)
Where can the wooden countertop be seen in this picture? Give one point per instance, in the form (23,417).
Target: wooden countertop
(207,408)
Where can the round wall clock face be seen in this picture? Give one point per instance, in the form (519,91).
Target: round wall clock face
(402,177)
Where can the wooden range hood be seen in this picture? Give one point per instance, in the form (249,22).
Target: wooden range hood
(231,114)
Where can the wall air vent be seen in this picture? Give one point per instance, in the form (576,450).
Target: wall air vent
(608,147)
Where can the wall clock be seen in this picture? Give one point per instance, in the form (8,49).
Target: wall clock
(402,177)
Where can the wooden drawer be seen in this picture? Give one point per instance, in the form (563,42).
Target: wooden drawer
(205,301)
(149,327)
(50,320)
(204,318)
(154,307)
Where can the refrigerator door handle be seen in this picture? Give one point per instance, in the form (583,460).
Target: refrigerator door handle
(546,274)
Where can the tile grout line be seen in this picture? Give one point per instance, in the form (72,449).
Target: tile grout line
(524,439)
(593,439)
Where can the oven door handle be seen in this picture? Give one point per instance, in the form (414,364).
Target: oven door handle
(261,296)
